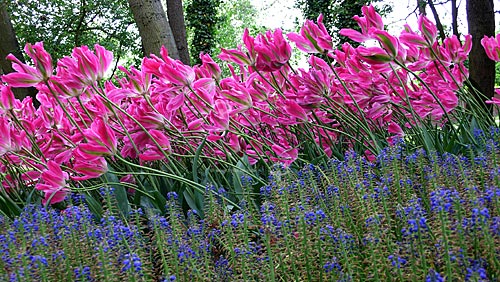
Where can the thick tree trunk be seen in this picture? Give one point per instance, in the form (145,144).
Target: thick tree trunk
(175,15)
(10,45)
(154,28)
(481,20)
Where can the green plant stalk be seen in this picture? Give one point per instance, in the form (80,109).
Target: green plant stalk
(449,269)
(267,242)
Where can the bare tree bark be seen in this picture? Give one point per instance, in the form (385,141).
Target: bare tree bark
(454,18)
(10,45)
(439,25)
(481,20)
(154,28)
(175,14)
(421,7)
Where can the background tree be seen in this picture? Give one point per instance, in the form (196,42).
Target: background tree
(175,14)
(154,27)
(10,45)
(481,20)
(65,24)
(201,18)
(233,16)
(337,14)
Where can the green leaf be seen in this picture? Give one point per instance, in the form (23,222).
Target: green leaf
(94,206)
(120,194)
(197,158)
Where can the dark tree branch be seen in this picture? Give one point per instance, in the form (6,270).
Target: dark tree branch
(454,18)
(439,26)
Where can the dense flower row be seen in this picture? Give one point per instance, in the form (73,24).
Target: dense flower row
(265,110)
(409,216)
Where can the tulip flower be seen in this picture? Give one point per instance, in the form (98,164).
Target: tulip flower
(492,47)
(53,183)
(25,75)
(273,51)
(313,38)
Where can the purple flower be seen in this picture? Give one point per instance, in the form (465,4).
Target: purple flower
(434,276)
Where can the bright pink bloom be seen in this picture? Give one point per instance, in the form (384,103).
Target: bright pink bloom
(212,68)
(84,67)
(428,29)
(273,51)
(492,47)
(236,92)
(177,73)
(220,115)
(92,66)
(10,139)
(151,152)
(101,139)
(88,166)
(453,51)
(286,154)
(371,21)
(294,110)
(235,56)
(374,55)
(388,42)
(7,99)
(495,100)
(26,76)
(312,38)
(238,56)
(54,183)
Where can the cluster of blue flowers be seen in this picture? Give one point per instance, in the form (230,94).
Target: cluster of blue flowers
(406,216)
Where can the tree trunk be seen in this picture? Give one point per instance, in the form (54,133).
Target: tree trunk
(175,15)
(454,18)
(10,45)
(421,7)
(481,20)
(154,28)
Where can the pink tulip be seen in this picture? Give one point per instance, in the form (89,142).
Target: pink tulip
(370,22)
(492,47)
(177,73)
(101,139)
(7,99)
(428,29)
(92,67)
(294,110)
(212,68)
(235,56)
(220,116)
(495,100)
(273,52)
(88,166)
(388,42)
(54,183)
(25,75)
(374,55)
(371,19)
(11,140)
(313,38)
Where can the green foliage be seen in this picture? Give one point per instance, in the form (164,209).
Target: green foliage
(497,76)
(63,25)
(401,218)
(201,25)
(234,16)
(337,14)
